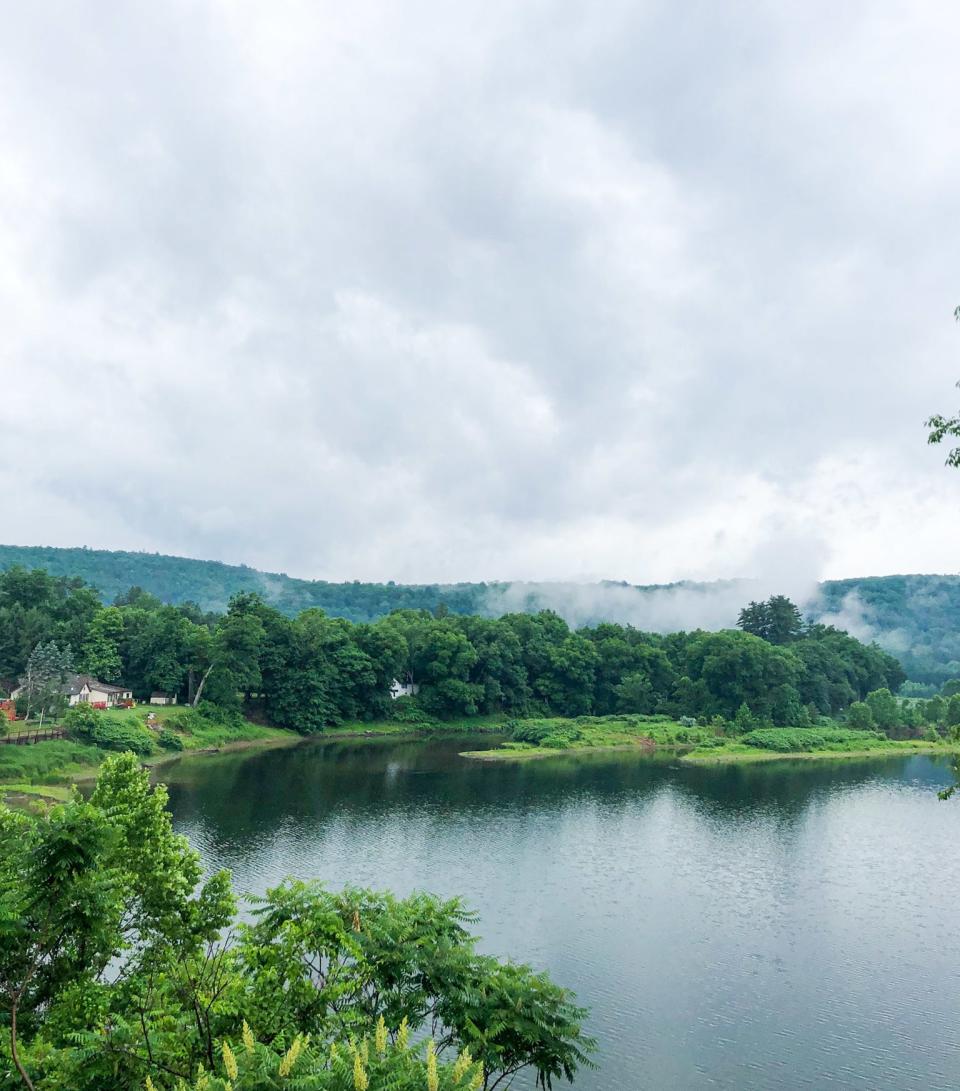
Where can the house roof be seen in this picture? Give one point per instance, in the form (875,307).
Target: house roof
(76,682)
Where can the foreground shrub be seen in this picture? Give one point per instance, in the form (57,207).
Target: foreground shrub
(384,1061)
(119,965)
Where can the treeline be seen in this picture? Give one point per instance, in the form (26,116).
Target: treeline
(918,613)
(313,670)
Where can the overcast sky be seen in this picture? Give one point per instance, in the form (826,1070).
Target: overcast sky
(482,290)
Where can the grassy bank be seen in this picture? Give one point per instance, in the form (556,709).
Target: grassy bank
(737,753)
(550,736)
(46,769)
(545,738)
(471,725)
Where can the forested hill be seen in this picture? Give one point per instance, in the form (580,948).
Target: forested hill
(211,584)
(915,617)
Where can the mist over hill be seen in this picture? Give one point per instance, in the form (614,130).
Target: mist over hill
(915,617)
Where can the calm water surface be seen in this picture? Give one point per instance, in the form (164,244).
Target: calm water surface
(786,925)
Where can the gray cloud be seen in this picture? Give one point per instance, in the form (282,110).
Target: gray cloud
(482,291)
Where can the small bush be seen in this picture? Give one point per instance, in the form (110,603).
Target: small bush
(556,742)
(789,739)
(87,725)
(169,740)
(406,710)
(537,732)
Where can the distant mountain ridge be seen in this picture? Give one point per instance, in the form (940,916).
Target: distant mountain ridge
(917,617)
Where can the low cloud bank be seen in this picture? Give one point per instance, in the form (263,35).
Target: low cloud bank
(663,609)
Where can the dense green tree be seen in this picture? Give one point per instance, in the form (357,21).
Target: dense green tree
(120,969)
(43,680)
(860,716)
(884,709)
(737,668)
(935,710)
(777,620)
(99,652)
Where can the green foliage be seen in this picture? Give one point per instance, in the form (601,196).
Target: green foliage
(169,740)
(923,610)
(406,710)
(373,1062)
(313,671)
(785,739)
(46,762)
(884,709)
(860,716)
(320,975)
(554,734)
(89,725)
(777,620)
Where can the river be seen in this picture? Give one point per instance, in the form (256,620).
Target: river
(785,925)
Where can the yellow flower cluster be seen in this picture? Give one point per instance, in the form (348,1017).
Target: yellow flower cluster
(229,1061)
(360,1081)
(290,1057)
(403,1033)
(247,1038)
(433,1078)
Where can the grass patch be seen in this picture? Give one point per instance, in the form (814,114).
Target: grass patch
(59,793)
(61,761)
(466,726)
(549,736)
(769,744)
(56,761)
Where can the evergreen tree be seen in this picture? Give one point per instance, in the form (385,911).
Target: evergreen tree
(43,681)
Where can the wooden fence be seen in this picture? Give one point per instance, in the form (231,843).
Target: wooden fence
(27,738)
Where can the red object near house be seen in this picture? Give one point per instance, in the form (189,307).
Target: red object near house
(8,709)
(125,704)
(98,704)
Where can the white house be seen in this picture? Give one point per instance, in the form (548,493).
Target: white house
(403,689)
(163,699)
(84,689)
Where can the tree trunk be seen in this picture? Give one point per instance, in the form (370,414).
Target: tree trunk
(13,1052)
(203,682)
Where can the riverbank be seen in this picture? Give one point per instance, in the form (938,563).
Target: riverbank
(550,737)
(472,725)
(734,753)
(44,772)
(698,745)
